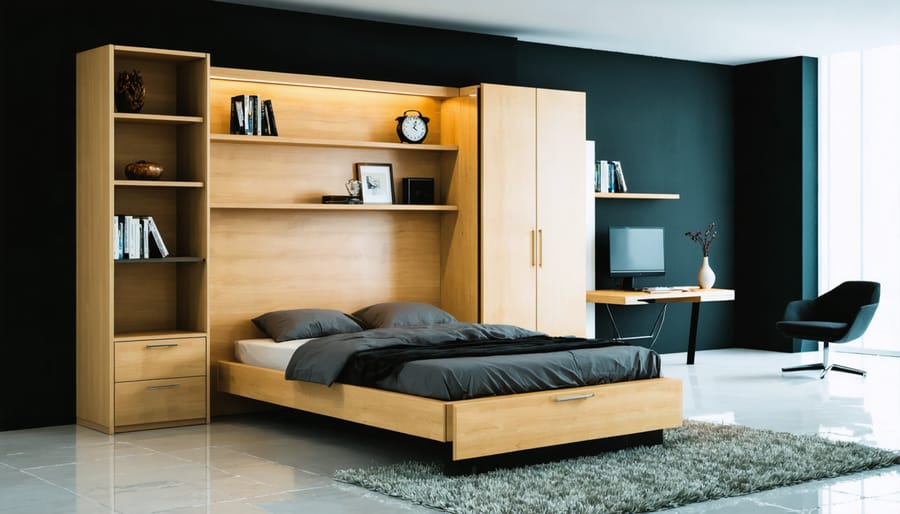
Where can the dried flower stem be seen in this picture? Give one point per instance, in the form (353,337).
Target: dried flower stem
(704,238)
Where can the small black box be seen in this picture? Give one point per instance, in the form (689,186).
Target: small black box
(419,191)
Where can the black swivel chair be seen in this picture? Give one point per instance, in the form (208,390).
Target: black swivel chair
(838,316)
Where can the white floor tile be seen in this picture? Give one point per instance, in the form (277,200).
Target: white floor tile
(283,462)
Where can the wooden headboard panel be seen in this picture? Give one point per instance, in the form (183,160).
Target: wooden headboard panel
(271,248)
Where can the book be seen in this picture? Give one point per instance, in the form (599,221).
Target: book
(238,114)
(270,126)
(145,237)
(253,115)
(117,237)
(601,177)
(157,246)
(621,187)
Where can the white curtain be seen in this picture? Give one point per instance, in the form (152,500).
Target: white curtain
(859,182)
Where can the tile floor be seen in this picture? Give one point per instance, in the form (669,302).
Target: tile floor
(282,462)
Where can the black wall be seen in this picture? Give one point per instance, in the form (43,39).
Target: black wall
(776,196)
(670,122)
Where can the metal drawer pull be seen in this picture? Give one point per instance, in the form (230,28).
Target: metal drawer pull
(576,397)
(162,345)
(170,386)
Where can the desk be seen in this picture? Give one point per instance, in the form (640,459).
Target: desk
(695,296)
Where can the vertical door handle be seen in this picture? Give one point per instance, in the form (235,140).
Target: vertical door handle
(540,246)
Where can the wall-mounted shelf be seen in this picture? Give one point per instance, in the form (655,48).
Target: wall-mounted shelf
(333,207)
(337,143)
(639,196)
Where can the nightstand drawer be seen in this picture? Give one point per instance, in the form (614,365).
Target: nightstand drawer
(157,401)
(160,358)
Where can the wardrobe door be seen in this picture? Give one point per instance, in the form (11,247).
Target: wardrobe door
(508,189)
(560,126)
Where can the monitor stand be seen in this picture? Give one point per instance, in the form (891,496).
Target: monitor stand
(628,284)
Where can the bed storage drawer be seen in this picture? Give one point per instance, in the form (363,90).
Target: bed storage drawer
(545,418)
(160,401)
(160,358)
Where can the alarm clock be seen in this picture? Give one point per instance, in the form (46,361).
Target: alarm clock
(412,128)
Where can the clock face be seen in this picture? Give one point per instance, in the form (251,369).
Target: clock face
(414,128)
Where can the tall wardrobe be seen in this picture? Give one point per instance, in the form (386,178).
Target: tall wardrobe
(532,207)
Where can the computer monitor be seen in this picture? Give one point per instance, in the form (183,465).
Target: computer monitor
(636,252)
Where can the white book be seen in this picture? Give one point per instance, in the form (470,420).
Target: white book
(145,238)
(157,238)
(116,246)
(126,237)
(602,184)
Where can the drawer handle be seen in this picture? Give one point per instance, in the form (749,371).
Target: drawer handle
(162,345)
(169,386)
(576,397)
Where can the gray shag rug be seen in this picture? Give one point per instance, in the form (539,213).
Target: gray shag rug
(698,462)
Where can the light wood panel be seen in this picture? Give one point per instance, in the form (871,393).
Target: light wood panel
(560,127)
(414,415)
(508,208)
(326,113)
(477,427)
(93,260)
(157,401)
(160,358)
(546,418)
(297,174)
(274,245)
(459,232)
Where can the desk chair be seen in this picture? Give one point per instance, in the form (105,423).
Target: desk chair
(838,316)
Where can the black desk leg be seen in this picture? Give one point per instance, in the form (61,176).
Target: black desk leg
(692,339)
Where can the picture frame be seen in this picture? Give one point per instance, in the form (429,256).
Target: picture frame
(377,181)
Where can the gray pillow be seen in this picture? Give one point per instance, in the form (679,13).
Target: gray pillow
(305,323)
(402,314)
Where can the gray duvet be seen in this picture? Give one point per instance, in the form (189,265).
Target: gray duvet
(322,360)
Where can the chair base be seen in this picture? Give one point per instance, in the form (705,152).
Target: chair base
(825,369)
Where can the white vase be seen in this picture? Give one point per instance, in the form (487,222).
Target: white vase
(706,277)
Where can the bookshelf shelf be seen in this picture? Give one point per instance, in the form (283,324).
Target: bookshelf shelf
(157,260)
(164,119)
(189,184)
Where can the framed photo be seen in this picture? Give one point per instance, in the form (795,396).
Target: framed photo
(377,181)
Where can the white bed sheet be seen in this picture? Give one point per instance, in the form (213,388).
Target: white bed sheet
(266,353)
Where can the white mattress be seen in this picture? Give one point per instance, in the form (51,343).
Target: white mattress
(266,353)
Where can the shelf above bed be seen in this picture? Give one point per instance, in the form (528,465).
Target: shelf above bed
(336,143)
(334,207)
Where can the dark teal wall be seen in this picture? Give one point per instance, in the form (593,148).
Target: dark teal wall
(776,195)
(672,124)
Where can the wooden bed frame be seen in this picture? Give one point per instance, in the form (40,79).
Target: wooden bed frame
(478,427)
(273,245)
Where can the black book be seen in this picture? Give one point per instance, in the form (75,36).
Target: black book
(238,114)
(270,119)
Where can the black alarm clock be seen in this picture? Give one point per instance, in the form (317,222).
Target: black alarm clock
(412,128)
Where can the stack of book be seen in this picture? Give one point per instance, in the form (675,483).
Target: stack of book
(137,237)
(251,117)
(609,178)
